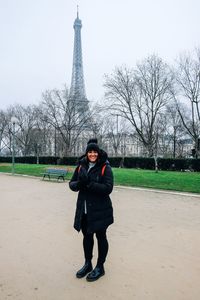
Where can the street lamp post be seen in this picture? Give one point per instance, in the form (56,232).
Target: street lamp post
(13,122)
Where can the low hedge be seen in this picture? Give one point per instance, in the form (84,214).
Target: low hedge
(169,164)
(139,163)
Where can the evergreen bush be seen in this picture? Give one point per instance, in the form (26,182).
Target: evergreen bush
(166,164)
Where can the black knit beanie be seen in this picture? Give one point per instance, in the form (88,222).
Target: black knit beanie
(92,144)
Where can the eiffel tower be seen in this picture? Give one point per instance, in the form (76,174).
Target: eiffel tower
(77,90)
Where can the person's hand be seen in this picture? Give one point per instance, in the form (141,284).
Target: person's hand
(83,176)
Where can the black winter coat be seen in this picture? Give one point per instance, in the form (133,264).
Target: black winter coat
(95,191)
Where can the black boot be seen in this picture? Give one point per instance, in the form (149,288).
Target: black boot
(84,270)
(96,273)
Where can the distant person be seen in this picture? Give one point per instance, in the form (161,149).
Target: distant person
(93,179)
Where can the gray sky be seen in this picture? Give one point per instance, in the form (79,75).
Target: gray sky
(36,45)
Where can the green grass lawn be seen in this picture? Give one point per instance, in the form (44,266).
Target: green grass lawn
(31,169)
(166,180)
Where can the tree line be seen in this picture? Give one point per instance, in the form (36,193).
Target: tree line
(153,102)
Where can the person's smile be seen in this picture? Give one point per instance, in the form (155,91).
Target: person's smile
(92,156)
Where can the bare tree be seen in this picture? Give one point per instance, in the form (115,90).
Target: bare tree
(42,136)
(116,129)
(188,93)
(62,114)
(31,135)
(171,131)
(24,127)
(140,95)
(165,139)
(3,125)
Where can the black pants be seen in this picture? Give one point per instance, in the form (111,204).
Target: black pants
(88,243)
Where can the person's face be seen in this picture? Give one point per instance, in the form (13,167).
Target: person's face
(92,156)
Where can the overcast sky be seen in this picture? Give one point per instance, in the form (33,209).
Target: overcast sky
(36,41)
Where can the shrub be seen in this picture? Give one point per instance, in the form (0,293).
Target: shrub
(194,164)
(115,161)
(71,161)
(172,164)
(167,164)
(5,159)
(139,162)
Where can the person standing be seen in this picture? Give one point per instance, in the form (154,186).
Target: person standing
(93,179)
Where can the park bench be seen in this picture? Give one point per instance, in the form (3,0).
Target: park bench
(56,173)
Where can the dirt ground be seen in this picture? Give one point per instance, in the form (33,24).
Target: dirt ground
(154,244)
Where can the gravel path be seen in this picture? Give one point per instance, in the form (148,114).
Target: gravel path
(154,244)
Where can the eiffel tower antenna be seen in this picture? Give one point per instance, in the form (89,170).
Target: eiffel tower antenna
(77,11)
